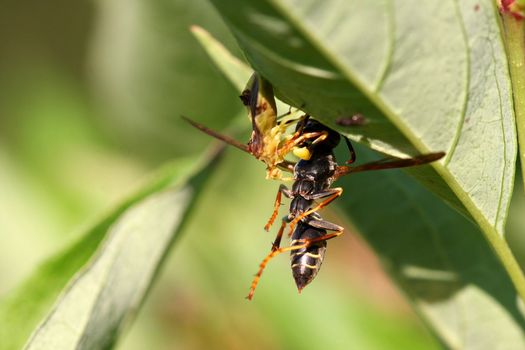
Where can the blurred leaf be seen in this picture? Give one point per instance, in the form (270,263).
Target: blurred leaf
(104,276)
(437,256)
(54,139)
(57,168)
(516,222)
(149,71)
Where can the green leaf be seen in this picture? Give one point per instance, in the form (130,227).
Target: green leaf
(416,70)
(437,256)
(102,279)
(236,71)
(145,60)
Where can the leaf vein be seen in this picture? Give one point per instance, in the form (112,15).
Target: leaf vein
(391,46)
(457,134)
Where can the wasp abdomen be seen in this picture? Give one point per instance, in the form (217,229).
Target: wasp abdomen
(306,262)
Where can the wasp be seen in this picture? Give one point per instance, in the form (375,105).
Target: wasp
(313,177)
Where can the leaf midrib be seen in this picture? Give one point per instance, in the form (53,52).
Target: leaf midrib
(461,121)
(390,51)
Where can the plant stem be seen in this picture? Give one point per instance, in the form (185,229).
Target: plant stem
(514,32)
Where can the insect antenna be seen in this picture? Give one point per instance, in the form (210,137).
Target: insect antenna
(217,135)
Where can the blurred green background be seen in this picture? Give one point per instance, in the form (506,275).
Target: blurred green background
(90,99)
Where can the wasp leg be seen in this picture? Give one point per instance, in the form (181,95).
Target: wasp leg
(277,242)
(286,166)
(351,150)
(326,225)
(287,114)
(297,110)
(273,253)
(284,190)
(318,136)
(332,194)
(289,144)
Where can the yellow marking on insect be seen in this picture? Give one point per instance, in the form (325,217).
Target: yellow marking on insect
(311,255)
(313,267)
(302,152)
(289,178)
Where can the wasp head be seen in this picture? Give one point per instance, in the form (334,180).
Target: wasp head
(327,139)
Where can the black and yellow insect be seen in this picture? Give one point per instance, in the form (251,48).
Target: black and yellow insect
(313,176)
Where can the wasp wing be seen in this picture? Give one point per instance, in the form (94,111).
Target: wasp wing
(389,163)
